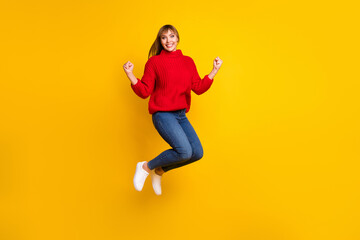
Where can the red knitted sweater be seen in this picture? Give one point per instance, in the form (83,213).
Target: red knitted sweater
(169,78)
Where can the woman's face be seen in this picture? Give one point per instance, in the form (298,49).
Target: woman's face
(169,40)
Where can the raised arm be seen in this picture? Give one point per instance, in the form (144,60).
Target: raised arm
(199,86)
(217,65)
(144,87)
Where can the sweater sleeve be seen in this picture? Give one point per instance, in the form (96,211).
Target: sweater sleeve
(198,85)
(144,87)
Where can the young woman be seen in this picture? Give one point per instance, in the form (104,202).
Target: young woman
(168,79)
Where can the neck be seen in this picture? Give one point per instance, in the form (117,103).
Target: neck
(175,53)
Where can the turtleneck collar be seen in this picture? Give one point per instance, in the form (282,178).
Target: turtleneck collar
(175,53)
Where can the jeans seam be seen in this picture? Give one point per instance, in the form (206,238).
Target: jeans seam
(162,128)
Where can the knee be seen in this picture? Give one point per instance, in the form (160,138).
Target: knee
(198,154)
(186,154)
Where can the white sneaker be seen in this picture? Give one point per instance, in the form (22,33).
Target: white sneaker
(140,176)
(156,182)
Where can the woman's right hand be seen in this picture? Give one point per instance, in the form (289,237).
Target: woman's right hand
(128,67)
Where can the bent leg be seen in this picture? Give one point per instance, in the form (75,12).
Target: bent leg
(197,150)
(172,132)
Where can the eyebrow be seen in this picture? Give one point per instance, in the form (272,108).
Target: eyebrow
(165,34)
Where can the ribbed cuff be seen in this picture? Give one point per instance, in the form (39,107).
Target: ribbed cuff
(207,76)
(134,86)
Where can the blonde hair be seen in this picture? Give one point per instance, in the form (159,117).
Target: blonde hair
(156,47)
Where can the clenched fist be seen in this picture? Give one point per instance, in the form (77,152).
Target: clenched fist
(128,67)
(217,63)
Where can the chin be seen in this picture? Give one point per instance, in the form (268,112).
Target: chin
(170,50)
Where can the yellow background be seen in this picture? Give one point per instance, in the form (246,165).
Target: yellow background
(279,126)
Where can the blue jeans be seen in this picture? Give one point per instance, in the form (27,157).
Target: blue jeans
(176,130)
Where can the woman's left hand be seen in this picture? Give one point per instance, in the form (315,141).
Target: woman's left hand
(217,63)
